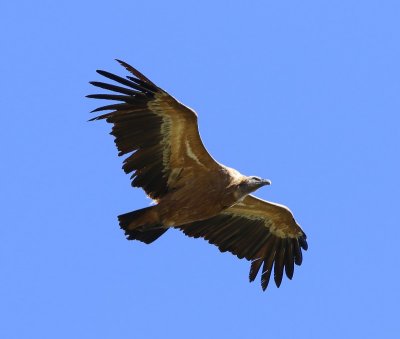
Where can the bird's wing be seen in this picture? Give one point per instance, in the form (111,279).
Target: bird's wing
(162,133)
(257,230)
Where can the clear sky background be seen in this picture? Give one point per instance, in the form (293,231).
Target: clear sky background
(305,93)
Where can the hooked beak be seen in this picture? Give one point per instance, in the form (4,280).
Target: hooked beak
(266,182)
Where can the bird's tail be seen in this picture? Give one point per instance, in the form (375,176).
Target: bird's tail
(143,225)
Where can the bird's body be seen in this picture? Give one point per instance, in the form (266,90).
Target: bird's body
(219,188)
(193,192)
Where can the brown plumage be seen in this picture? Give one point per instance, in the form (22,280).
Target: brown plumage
(194,193)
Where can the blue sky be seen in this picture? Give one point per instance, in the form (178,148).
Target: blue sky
(303,93)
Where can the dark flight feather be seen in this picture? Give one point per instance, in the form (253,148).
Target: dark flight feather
(250,239)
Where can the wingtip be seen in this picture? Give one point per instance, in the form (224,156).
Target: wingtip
(265,282)
(101,72)
(135,72)
(120,62)
(251,278)
(303,244)
(95,110)
(123,63)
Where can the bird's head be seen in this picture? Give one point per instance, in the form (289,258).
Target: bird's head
(252,183)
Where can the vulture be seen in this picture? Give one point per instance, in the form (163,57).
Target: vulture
(192,191)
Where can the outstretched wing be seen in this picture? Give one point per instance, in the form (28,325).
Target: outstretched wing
(162,133)
(257,230)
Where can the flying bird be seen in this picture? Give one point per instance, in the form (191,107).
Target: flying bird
(192,191)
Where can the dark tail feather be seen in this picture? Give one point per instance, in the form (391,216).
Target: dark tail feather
(146,232)
(146,236)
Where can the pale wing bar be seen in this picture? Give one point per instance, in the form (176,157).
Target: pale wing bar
(137,129)
(161,132)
